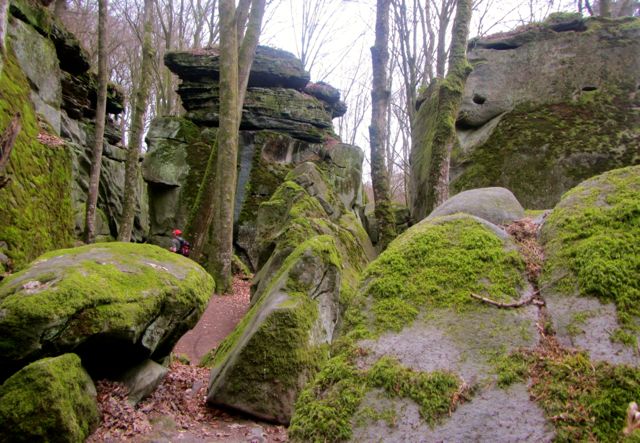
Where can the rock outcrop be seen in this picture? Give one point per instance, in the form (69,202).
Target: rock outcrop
(46,80)
(113,304)
(590,280)
(415,341)
(496,205)
(53,399)
(311,250)
(286,121)
(548,106)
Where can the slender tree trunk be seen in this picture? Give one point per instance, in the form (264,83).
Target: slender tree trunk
(137,128)
(379,106)
(101,107)
(450,97)
(208,202)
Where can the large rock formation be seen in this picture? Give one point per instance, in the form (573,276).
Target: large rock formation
(46,80)
(548,106)
(311,250)
(114,304)
(286,121)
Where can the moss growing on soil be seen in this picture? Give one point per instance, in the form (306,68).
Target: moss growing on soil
(539,152)
(592,243)
(63,295)
(36,213)
(437,266)
(49,400)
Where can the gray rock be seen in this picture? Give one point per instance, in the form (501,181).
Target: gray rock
(496,205)
(114,304)
(141,380)
(38,59)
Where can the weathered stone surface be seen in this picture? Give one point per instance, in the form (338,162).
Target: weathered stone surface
(496,205)
(549,106)
(79,96)
(271,67)
(173,169)
(309,260)
(328,94)
(413,334)
(143,379)
(592,245)
(114,304)
(52,399)
(38,60)
(279,109)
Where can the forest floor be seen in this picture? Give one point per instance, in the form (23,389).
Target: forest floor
(177,410)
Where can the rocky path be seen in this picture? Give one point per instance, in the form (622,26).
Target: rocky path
(177,412)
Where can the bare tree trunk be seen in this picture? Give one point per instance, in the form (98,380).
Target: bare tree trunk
(101,107)
(450,98)
(215,200)
(137,128)
(379,105)
(605,8)
(435,131)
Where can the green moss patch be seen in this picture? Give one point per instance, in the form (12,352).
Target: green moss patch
(36,213)
(592,243)
(437,265)
(52,399)
(328,408)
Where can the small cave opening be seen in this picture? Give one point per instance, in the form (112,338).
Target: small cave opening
(589,88)
(479,99)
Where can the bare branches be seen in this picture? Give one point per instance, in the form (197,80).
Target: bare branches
(533,299)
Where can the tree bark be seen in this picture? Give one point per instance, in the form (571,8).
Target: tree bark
(377,131)
(214,204)
(433,143)
(137,128)
(101,107)
(605,8)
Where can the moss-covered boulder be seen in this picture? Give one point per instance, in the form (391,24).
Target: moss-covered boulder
(114,304)
(52,399)
(414,342)
(590,278)
(496,205)
(549,106)
(310,261)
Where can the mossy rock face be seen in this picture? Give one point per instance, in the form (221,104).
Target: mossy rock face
(310,261)
(173,169)
(412,334)
(590,278)
(114,304)
(545,109)
(36,212)
(52,399)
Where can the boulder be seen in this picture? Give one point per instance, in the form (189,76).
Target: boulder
(590,278)
(414,339)
(52,399)
(114,304)
(271,67)
(309,262)
(496,205)
(549,106)
(141,380)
